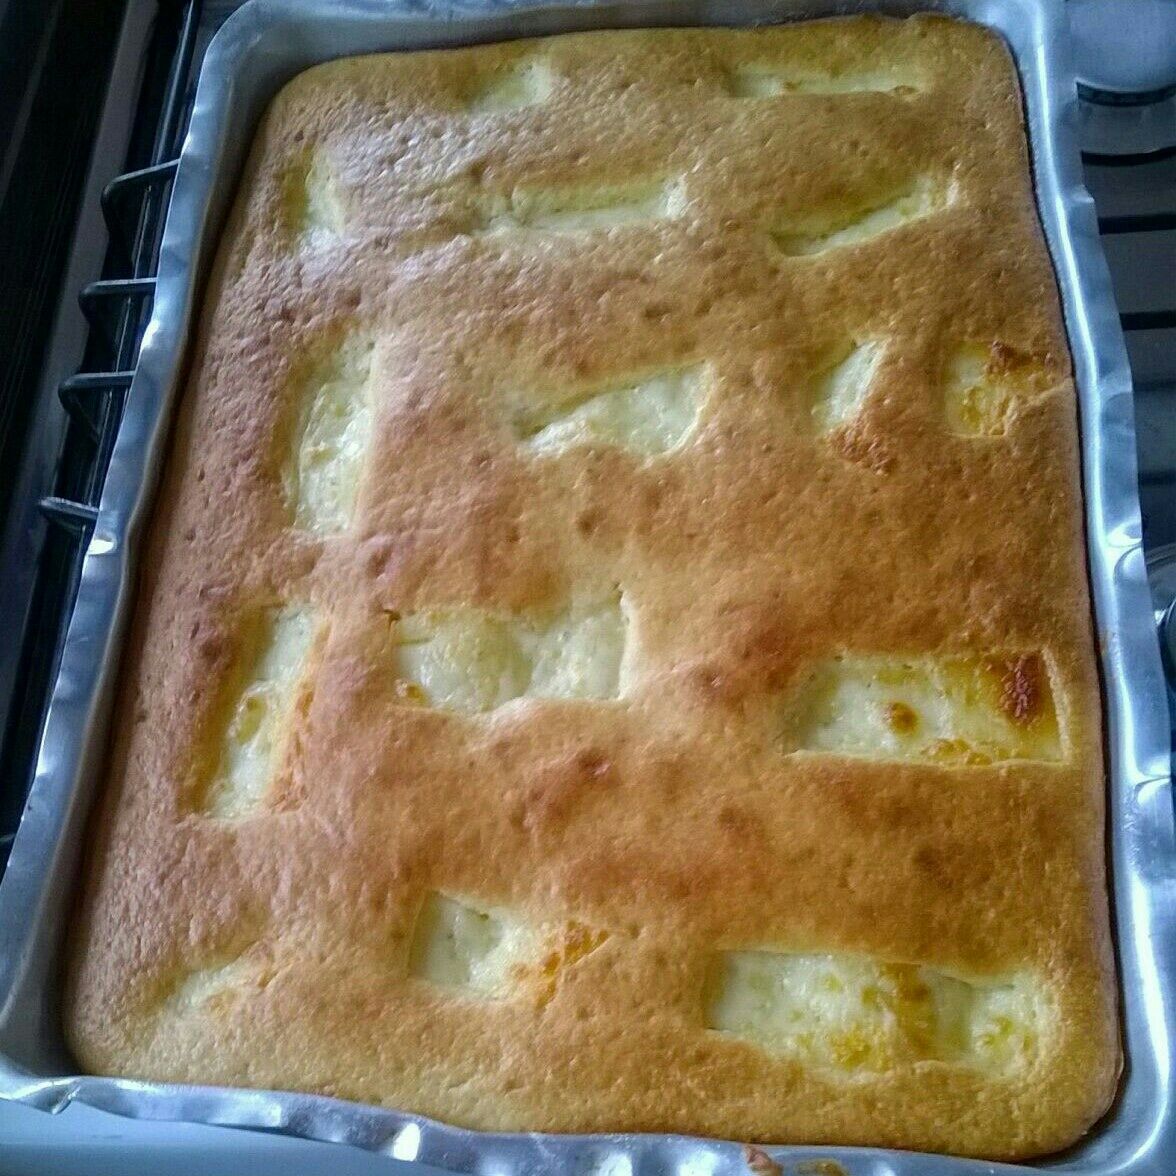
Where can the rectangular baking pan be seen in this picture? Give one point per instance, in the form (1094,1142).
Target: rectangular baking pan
(263,45)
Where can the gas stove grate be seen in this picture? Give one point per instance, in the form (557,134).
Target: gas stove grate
(117,308)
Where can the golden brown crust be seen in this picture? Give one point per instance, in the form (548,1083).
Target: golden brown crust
(673,820)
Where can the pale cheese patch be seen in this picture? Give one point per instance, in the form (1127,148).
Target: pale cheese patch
(492,953)
(324,215)
(842,390)
(331,439)
(583,209)
(812,236)
(312,211)
(767,81)
(256,735)
(473,661)
(458,945)
(951,710)
(853,1014)
(204,986)
(984,385)
(648,416)
(528,84)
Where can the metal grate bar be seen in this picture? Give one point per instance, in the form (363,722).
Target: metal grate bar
(84,399)
(117,194)
(1140,222)
(76,516)
(104,303)
(1148,320)
(1101,159)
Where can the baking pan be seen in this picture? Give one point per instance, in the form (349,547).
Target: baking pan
(263,45)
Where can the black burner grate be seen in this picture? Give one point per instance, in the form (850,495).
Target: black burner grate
(117,308)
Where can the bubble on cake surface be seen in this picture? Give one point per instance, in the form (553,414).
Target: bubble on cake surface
(331,438)
(957,711)
(806,236)
(264,687)
(473,661)
(648,415)
(848,1014)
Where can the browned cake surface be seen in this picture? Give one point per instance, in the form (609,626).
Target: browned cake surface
(613,650)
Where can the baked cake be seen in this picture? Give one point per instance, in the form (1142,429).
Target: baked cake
(614,650)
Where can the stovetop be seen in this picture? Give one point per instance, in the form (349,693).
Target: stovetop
(91,91)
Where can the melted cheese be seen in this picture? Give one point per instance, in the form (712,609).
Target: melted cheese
(956,710)
(330,444)
(650,416)
(529,84)
(255,737)
(469,660)
(325,217)
(765,81)
(492,953)
(924,199)
(457,945)
(583,210)
(851,1014)
(205,986)
(980,397)
(842,390)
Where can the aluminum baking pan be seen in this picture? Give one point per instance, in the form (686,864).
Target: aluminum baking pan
(264,44)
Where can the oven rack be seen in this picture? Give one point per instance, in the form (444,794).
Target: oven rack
(1134,191)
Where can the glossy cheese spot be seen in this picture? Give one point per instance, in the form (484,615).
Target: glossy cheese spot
(853,1014)
(842,389)
(457,945)
(494,954)
(205,988)
(648,416)
(331,439)
(984,385)
(766,81)
(472,661)
(819,235)
(257,730)
(313,204)
(528,84)
(955,710)
(582,210)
